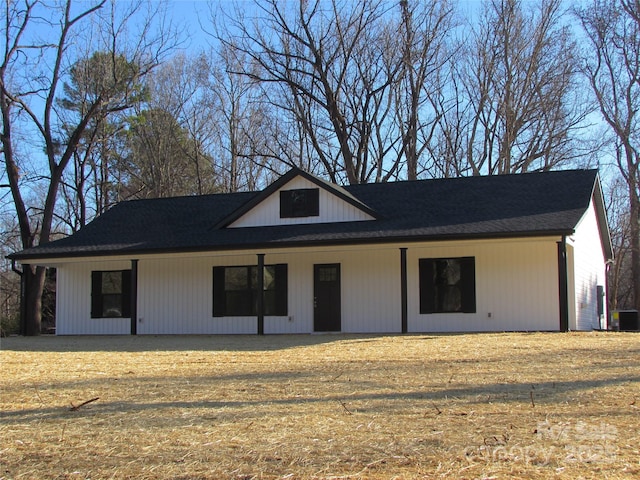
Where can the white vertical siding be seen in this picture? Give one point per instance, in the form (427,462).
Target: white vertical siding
(589,271)
(73,301)
(175,296)
(516,282)
(371,291)
(332,209)
(516,287)
(300,283)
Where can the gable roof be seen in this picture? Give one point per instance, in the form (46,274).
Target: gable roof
(336,190)
(531,204)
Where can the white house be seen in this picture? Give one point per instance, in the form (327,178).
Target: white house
(501,253)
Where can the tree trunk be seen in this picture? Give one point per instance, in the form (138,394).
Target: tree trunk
(635,244)
(34,285)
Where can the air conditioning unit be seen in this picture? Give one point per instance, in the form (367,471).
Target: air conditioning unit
(625,320)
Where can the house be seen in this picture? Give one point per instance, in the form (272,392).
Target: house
(499,253)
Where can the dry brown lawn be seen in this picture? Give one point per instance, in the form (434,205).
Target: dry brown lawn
(419,406)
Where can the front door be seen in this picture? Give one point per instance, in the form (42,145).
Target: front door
(326,298)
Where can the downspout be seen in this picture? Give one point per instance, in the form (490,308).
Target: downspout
(563,284)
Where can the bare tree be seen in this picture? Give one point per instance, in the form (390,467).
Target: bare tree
(520,82)
(620,278)
(422,93)
(327,57)
(155,164)
(9,281)
(448,150)
(37,45)
(612,66)
(180,87)
(246,130)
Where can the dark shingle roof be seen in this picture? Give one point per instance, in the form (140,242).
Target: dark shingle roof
(532,204)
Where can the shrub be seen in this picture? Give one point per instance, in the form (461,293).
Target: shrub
(9,325)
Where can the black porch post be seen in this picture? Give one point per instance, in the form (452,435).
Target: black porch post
(403,288)
(563,285)
(260,297)
(134,297)
(23,298)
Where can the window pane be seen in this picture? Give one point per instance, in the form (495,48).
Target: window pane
(327,274)
(446,285)
(447,289)
(111,282)
(269,277)
(239,303)
(448,271)
(270,302)
(238,295)
(112,306)
(299,203)
(236,278)
(448,298)
(253,280)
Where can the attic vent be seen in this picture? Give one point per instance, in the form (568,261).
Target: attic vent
(303,202)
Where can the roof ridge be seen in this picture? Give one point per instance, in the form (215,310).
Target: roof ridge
(183,197)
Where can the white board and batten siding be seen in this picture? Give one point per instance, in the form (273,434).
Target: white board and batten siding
(513,291)
(73,300)
(175,296)
(588,262)
(332,209)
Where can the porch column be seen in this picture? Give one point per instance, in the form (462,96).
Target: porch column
(563,287)
(403,288)
(260,299)
(23,298)
(134,297)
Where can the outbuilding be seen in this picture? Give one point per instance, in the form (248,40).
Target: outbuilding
(524,252)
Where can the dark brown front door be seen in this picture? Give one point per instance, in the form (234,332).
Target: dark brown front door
(326,298)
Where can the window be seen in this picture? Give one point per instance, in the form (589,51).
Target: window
(304,202)
(111,294)
(447,285)
(235,290)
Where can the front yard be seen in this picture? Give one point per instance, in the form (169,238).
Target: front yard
(511,405)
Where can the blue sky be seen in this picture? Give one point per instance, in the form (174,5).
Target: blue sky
(193,13)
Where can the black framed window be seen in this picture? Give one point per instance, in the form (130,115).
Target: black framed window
(447,285)
(235,290)
(111,294)
(303,202)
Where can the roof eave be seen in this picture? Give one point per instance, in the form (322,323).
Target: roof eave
(601,216)
(291,244)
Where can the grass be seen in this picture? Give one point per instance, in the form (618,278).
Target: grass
(420,406)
